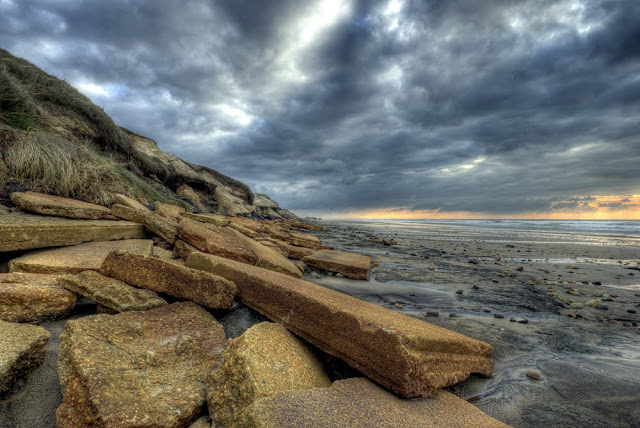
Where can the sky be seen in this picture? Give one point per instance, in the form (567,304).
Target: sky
(369,109)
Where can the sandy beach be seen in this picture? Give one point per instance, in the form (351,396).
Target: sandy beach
(576,297)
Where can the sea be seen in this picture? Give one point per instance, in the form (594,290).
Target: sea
(622,228)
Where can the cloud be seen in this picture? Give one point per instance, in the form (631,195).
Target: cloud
(337,106)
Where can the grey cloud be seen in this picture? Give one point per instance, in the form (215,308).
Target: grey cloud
(499,107)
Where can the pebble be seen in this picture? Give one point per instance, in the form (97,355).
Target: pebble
(433,313)
(486,310)
(499,316)
(475,287)
(574,316)
(631,311)
(597,283)
(602,306)
(460,291)
(519,320)
(533,374)
(452,315)
(519,268)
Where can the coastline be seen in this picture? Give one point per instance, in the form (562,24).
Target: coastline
(588,356)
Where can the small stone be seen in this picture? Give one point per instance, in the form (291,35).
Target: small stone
(593,302)
(398,305)
(519,268)
(460,291)
(475,287)
(519,320)
(497,315)
(602,307)
(574,316)
(22,350)
(597,283)
(533,374)
(433,313)
(631,311)
(576,306)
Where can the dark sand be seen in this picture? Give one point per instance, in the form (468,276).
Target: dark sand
(590,366)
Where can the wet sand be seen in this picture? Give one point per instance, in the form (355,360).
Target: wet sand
(475,280)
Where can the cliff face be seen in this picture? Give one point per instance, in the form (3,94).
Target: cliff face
(53,139)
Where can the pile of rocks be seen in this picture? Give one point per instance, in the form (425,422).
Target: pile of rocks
(154,354)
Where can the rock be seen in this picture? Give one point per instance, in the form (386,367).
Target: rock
(229,243)
(433,313)
(22,349)
(576,306)
(475,287)
(163,254)
(602,306)
(304,240)
(140,368)
(26,231)
(520,269)
(406,355)
(112,293)
(217,220)
(264,360)
(358,402)
(183,249)
(247,232)
(519,320)
(4,210)
(129,202)
(187,192)
(40,203)
(203,422)
(77,258)
(498,316)
(291,251)
(597,283)
(593,302)
(460,291)
(631,311)
(27,297)
(158,225)
(351,265)
(533,374)
(170,278)
(172,212)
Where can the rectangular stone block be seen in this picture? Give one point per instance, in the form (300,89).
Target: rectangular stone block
(22,349)
(158,225)
(26,231)
(351,265)
(170,278)
(410,357)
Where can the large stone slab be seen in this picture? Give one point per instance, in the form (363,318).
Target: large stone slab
(26,231)
(167,210)
(359,403)
(351,265)
(245,231)
(264,360)
(291,251)
(410,357)
(170,278)
(218,220)
(130,202)
(77,258)
(112,293)
(27,297)
(229,243)
(305,240)
(41,203)
(22,349)
(137,369)
(158,225)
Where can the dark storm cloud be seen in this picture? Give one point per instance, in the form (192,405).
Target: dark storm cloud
(498,107)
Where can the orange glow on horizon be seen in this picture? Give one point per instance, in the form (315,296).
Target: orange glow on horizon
(585,208)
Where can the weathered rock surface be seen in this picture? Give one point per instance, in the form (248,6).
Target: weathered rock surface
(351,265)
(291,251)
(27,297)
(26,231)
(22,349)
(305,240)
(109,292)
(229,243)
(408,356)
(183,249)
(170,278)
(163,254)
(130,202)
(77,258)
(167,210)
(218,220)
(264,360)
(359,403)
(158,225)
(41,203)
(137,369)
(187,192)
(245,231)
(203,422)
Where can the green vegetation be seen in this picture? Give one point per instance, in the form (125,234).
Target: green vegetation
(16,108)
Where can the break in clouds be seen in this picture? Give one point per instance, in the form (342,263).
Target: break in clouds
(330,106)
